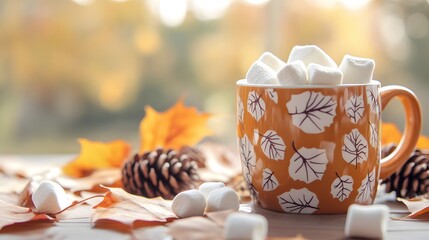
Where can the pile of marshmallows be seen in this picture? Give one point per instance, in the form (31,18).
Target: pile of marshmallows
(214,196)
(309,65)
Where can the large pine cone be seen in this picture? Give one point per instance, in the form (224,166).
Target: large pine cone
(412,179)
(159,173)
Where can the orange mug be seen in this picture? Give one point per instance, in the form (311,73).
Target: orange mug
(316,149)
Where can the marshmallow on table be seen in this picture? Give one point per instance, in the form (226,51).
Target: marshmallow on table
(244,226)
(271,61)
(207,187)
(261,73)
(366,221)
(222,199)
(322,75)
(294,73)
(357,70)
(188,204)
(311,54)
(50,197)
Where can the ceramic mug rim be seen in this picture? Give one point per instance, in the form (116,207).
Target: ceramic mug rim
(243,83)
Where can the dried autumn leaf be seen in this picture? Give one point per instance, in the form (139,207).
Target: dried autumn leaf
(423,142)
(12,214)
(391,134)
(106,177)
(97,155)
(195,228)
(418,208)
(177,127)
(131,211)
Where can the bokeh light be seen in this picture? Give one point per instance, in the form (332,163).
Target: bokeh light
(87,68)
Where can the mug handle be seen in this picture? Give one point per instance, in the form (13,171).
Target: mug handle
(413,123)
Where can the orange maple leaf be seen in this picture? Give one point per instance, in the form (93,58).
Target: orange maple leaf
(97,155)
(391,134)
(177,127)
(131,211)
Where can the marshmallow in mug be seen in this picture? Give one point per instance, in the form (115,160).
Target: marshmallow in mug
(357,70)
(261,73)
(50,197)
(272,61)
(244,226)
(322,75)
(311,54)
(366,221)
(294,73)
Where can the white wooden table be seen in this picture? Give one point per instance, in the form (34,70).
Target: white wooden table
(281,226)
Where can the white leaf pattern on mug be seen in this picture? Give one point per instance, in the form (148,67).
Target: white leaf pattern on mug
(240,109)
(366,188)
(372,98)
(307,164)
(312,112)
(355,148)
(255,105)
(247,154)
(354,108)
(299,201)
(272,145)
(269,181)
(373,135)
(272,94)
(342,187)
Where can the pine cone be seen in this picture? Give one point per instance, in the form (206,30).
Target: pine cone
(412,179)
(159,173)
(195,154)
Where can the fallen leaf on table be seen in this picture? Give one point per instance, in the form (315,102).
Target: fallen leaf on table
(97,155)
(195,228)
(106,177)
(222,163)
(177,127)
(24,197)
(11,214)
(419,208)
(130,211)
(390,133)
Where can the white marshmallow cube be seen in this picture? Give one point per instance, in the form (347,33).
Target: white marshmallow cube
(50,197)
(261,73)
(188,204)
(311,54)
(366,221)
(322,75)
(272,61)
(207,187)
(357,70)
(294,73)
(245,226)
(222,199)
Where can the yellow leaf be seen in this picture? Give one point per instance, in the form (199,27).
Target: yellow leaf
(391,134)
(97,155)
(423,142)
(177,127)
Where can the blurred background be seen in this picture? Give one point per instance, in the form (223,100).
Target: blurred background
(87,68)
